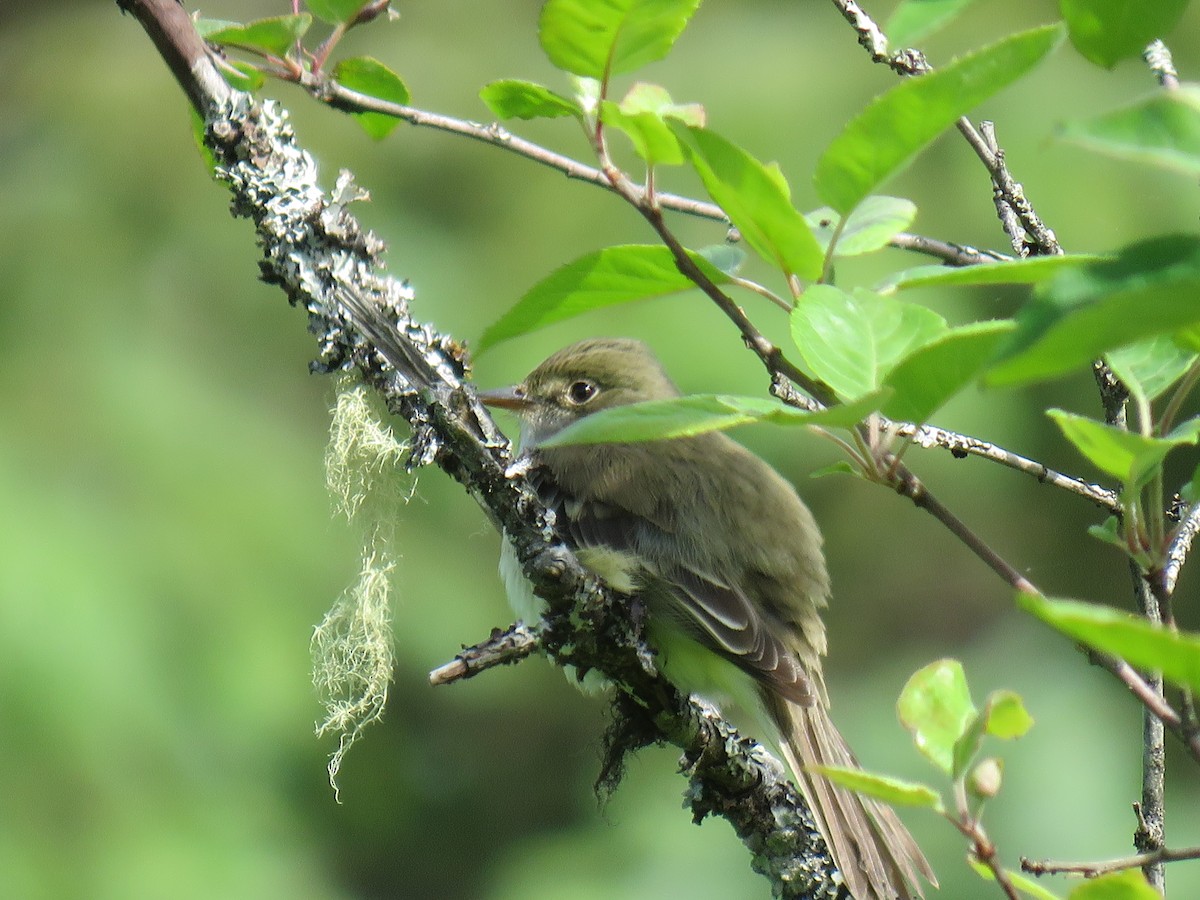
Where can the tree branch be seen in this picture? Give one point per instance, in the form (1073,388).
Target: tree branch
(317,253)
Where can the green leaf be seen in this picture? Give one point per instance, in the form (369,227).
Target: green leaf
(1130,885)
(643,115)
(935,705)
(1127,456)
(1007,717)
(913,20)
(335,12)
(1109,531)
(270,37)
(882,787)
(1022,883)
(245,77)
(932,374)
(608,277)
(1163,130)
(655,420)
(756,199)
(1148,368)
(371,77)
(968,744)
(725,257)
(512,99)
(886,136)
(1107,31)
(1084,312)
(841,467)
(1141,644)
(1033,270)
(602,38)
(851,342)
(873,223)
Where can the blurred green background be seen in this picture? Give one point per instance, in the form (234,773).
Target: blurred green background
(167,543)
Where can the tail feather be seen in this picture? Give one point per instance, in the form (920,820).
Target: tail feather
(871,847)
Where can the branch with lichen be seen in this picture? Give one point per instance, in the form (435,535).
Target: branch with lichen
(315,251)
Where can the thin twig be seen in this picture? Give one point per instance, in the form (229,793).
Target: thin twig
(1158,57)
(1177,550)
(503,647)
(872,39)
(1095,869)
(961,445)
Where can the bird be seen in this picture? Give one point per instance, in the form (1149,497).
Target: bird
(727,563)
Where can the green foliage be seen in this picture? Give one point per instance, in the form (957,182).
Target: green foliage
(889,790)
(869,227)
(274,37)
(513,99)
(1107,31)
(913,20)
(886,136)
(1162,129)
(1033,270)
(336,12)
(852,341)
(1150,367)
(601,38)
(757,200)
(929,376)
(1088,310)
(935,706)
(1142,644)
(1131,885)
(1132,458)
(1025,885)
(605,278)
(654,420)
(371,77)
(643,117)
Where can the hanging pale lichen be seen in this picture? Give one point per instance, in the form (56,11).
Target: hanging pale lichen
(352,647)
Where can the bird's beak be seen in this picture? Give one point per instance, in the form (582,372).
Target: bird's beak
(506,398)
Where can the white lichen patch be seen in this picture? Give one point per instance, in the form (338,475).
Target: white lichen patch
(352,647)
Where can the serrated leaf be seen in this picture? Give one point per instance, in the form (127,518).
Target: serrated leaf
(335,12)
(756,199)
(929,376)
(914,20)
(873,223)
(369,76)
(851,342)
(607,277)
(676,417)
(1149,288)
(1130,885)
(1148,368)
(886,136)
(513,99)
(1107,31)
(1163,130)
(275,36)
(935,706)
(1143,645)
(1131,458)
(1007,717)
(883,787)
(1033,270)
(602,38)
(1022,883)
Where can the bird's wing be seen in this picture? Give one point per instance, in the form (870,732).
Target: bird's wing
(713,611)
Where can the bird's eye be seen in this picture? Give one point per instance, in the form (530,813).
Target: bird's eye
(580,392)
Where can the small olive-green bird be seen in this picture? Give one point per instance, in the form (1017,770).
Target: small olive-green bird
(727,562)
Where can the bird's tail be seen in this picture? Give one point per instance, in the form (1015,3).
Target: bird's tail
(873,850)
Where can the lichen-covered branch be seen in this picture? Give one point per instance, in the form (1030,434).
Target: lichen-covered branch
(316,252)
